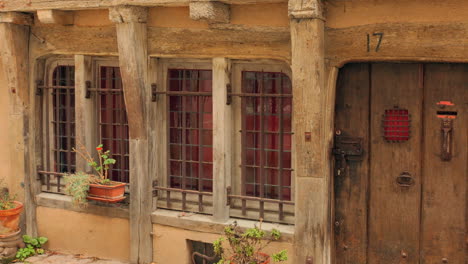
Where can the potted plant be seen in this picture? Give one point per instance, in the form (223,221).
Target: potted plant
(84,186)
(245,247)
(10,211)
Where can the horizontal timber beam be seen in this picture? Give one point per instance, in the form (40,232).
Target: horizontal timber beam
(55,17)
(28,5)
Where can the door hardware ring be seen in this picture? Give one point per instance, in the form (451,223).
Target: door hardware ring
(405,179)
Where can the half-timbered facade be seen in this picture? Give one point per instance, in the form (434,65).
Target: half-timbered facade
(342,123)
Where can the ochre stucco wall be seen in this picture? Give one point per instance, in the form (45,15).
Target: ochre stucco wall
(171,247)
(80,233)
(340,14)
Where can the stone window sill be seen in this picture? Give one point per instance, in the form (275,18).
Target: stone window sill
(59,201)
(205,224)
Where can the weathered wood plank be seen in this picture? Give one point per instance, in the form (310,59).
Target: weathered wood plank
(28,5)
(133,59)
(222,138)
(210,11)
(14,54)
(85,113)
(400,41)
(312,192)
(16,18)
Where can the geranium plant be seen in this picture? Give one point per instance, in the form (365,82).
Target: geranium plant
(78,184)
(245,247)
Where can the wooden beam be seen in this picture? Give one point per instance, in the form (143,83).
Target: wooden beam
(16,18)
(312,209)
(222,139)
(28,5)
(85,113)
(55,17)
(210,11)
(14,59)
(132,42)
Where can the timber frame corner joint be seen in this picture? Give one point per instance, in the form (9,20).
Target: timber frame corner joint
(309,9)
(128,14)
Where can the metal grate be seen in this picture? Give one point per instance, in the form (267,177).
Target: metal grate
(58,113)
(396,125)
(190,154)
(266,135)
(113,123)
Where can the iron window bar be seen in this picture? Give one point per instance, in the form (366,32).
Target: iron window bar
(45,178)
(184,193)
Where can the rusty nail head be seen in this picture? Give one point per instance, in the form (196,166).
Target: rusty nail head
(403,254)
(308,136)
(338,132)
(309,260)
(444,260)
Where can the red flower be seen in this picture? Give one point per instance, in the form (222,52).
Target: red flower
(98,148)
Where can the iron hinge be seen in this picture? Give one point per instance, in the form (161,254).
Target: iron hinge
(228,94)
(154,95)
(39,90)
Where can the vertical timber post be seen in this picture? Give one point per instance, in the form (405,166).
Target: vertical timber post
(222,146)
(132,40)
(312,212)
(14,53)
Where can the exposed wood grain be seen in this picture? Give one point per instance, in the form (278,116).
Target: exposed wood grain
(350,188)
(16,18)
(394,210)
(14,47)
(401,41)
(305,9)
(312,188)
(28,5)
(222,139)
(132,42)
(55,17)
(85,109)
(444,207)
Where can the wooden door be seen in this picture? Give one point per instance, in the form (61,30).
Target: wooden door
(401,202)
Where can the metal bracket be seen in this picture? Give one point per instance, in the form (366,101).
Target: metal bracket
(154,95)
(228,192)
(88,91)
(228,94)
(347,149)
(447,129)
(155,184)
(39,90)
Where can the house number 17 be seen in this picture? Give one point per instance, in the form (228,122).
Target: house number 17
(379,35)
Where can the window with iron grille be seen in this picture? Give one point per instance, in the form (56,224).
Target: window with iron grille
(63,119)
(190,158)
(113,124)
(266,135)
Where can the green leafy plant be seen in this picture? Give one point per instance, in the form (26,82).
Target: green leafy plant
(6,199)
(245,247)
(33,246)
(101,167)
(77,184)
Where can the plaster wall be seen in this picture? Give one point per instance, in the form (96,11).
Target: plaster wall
(170,244)
(87,234)
(349,13)
(5,172)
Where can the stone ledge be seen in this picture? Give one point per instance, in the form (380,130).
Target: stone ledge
(205,224)
(59,201)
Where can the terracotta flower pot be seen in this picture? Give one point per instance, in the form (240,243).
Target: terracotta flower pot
(266,258)
(107,193)
(9,219)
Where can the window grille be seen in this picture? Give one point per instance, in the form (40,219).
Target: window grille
(190,130)
(113,123)
(266,135)
(396,125)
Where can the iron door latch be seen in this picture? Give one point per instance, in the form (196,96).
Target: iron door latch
(346,149)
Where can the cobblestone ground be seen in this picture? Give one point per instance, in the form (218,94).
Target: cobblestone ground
(57,258)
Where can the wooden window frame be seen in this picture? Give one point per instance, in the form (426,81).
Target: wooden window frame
(161,126)
(97,64)
(271,210)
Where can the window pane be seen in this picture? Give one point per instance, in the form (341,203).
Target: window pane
(190,127)
(266,134)
(63,118)
(113,123)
